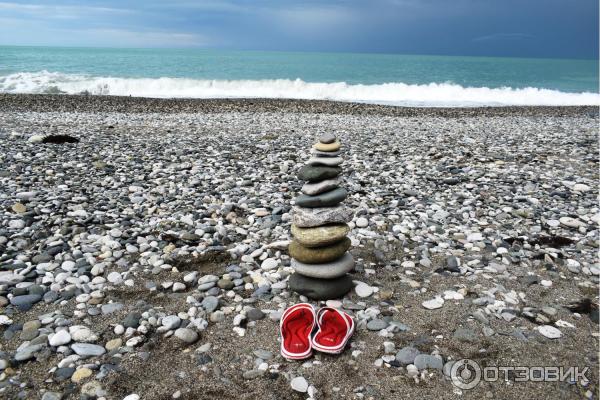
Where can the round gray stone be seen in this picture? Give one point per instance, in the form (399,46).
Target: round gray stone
(406,355)
(376,324)
(186,335)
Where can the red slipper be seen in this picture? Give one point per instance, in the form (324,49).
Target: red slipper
(335,329)
(296,325)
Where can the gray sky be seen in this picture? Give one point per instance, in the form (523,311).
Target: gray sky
(521,28)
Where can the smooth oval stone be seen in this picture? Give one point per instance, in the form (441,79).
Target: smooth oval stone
(88,349)
(315,173)
(330,270)
(305,217)
(335,146)
(327,199)
(320,187)
(318,255)
(320,289)
(329,161)
(327,138)
(321,235)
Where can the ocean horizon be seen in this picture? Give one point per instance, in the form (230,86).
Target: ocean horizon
(403,80)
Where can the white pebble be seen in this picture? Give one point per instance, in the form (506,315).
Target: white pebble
(549,331)
(299,384)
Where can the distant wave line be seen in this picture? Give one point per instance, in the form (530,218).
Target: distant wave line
(393,93)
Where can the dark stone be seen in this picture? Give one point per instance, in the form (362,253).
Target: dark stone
(452,264)
(36,289)
(132,320)
(327,138)
(225,284)
(320,289)
(41,258)
(451,181)
(50,296)
(25,302)
(203,358)
(190,237)
(254,314)
(327,199)
(59,139)
(62,374)
(19,291)
(316,173)
(68,294)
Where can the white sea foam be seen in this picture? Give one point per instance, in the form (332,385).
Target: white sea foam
(396,93)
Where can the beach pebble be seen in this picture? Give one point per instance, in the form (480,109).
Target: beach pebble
(549,331)
(434,303)
(299,384)
(60,338)
(363,290)
(186,335)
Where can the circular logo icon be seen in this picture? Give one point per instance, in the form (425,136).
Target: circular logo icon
(465,374)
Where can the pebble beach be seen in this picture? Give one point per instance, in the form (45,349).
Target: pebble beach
(147,258)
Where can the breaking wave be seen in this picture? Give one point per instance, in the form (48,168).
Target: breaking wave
(393,93)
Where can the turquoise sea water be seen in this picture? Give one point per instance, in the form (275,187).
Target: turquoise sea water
(375,78)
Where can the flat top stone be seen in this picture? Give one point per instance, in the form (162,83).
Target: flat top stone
(327,138)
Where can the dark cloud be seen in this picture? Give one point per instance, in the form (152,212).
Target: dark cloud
(532,28)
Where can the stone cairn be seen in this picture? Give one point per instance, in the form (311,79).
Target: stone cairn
(319,248)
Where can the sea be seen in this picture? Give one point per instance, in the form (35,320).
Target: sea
(403,80)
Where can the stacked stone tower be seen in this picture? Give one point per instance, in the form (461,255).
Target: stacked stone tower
(319,248)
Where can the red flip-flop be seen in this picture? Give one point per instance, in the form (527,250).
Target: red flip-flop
(296,326)
(335,329)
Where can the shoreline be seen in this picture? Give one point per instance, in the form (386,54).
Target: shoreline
(131,260)
(135,105)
